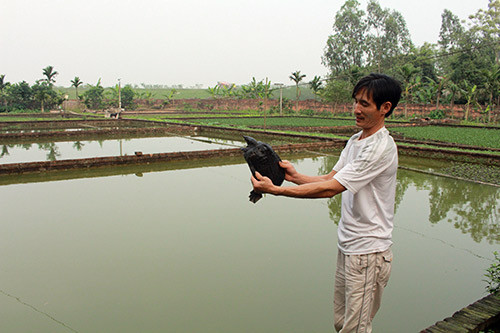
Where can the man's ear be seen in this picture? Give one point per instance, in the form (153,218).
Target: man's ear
(385,107)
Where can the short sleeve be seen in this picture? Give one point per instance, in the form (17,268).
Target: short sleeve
(372,160)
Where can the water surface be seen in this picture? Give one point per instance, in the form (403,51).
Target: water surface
(51,151)
(183,250)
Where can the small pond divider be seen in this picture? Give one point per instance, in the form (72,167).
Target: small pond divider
(477,317)
(140,158)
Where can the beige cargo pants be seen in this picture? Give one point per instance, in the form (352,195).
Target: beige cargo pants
(359,283)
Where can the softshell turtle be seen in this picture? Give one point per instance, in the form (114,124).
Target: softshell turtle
(262,158)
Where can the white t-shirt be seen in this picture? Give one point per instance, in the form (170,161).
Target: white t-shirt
(367,169)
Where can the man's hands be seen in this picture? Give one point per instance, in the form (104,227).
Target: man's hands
(308,186)
(262,184)
(290,172)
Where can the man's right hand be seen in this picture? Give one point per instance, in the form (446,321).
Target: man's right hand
(290,172)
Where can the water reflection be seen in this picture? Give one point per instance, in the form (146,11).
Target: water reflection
(472,208)
(52,150)
(55,150)
(5,150)
(78,145)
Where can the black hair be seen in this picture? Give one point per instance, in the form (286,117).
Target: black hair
(381,88)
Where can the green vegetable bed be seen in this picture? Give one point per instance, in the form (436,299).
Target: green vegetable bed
(275,121)
(480,137)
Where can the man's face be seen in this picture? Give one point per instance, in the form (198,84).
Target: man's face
(366,112)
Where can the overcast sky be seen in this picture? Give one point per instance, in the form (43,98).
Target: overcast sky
(185,42)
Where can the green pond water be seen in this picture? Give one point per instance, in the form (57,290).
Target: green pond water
(179,248)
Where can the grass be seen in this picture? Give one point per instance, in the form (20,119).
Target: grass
(488,138)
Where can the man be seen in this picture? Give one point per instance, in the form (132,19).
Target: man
(365,174)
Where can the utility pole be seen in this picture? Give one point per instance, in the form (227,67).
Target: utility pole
(119,95)
(281,97)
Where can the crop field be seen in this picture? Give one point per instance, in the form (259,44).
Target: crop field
(276,121)
(488,138)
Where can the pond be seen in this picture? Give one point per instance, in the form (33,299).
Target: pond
(51,151)
(183,250)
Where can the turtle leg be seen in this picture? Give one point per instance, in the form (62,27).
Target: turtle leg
(254,196)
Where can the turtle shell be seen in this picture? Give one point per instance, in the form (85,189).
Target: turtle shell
(262,158)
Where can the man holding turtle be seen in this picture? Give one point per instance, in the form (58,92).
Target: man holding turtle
(365,174)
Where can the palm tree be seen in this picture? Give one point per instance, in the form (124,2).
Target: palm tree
(297,77)
(50,74)
(76,83)
(316,85)
(3,85)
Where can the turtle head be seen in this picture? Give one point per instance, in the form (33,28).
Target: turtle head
(250,141)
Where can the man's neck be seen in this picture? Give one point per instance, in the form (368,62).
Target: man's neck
(370,131)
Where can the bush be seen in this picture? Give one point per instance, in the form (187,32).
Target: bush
(287,106)
(493,275)
(307,112)
(325,113)
(94,96)
(437,114)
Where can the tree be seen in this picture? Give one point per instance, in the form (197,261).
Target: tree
(297,78)
(76,83)
(41,93)
(169,97)
(316,85)
(19,96)
(486,23)
(451,31)
(251,90)
(491,85)
(345,47)
(128,95)
(93,97)
(214,91)
(454,91)
(44,96)
(410,80)
(388,37)
(470,53)
(50,75)
(337,91)
(376,23)
(376,39)
(470,94)
(3,85)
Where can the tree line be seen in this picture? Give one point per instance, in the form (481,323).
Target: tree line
(463,67)
(42,95)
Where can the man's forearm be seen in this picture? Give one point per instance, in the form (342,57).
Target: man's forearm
(321,189)
(301,179)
